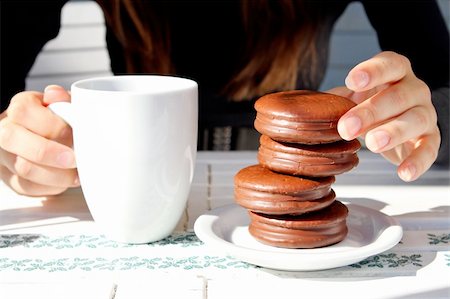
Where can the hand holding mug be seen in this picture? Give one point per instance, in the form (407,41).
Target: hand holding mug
(135,142)
(36,157)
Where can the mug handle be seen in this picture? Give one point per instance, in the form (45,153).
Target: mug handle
(63,110)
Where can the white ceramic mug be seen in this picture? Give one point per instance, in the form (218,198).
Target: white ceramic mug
(135,143)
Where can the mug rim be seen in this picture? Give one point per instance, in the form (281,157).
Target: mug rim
(187,84)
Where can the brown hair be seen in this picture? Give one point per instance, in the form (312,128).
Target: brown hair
(280,35)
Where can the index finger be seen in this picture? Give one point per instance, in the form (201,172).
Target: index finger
(27,110)
(386,67)
(34,148)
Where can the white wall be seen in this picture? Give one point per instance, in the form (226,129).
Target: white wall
(79,51)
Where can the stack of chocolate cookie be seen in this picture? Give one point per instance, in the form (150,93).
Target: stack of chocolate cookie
(288,194)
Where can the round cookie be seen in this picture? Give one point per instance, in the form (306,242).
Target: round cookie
(259,189)
(301,116)
(316,229)
(308,160)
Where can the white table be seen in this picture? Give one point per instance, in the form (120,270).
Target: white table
(50,247)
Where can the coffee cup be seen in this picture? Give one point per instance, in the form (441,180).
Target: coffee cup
(135,143)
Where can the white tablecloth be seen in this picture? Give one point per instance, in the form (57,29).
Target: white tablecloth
(51,248)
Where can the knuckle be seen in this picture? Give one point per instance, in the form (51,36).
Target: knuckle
(435,138)
(400,61)
(390,54)
(426,119)
(437,133)
(396,132)
(6,134)
(433,120)
(26,97)
(17,111)
(18,97)
(420,118)
(398,97)
(379,68)
(424,90)
(19,107)
(405,63)
(369,113)
(40,154)
(23,167)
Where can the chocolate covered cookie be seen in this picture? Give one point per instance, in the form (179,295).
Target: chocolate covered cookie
(288,194)
(261,190)
(315,229)
(301,116)
(308,160)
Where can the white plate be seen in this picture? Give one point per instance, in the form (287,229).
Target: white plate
(370,232)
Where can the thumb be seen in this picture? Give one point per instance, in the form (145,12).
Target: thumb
(55,93)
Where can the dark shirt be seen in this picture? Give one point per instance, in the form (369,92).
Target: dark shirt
(207,38)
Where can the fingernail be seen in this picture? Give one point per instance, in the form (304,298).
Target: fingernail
(52,88)
(352,125)
(66,159)
(377,140)
(408,173)
(357,80)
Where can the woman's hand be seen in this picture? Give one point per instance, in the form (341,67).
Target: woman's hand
(36,157)
(394,112)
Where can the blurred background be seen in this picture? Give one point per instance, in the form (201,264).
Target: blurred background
(79,51)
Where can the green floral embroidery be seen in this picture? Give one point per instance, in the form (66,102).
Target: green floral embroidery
(447,258)
(122,264)
(89,241)
(100,263)
(184,240)
(390,260)
(16,240)
(434,239)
